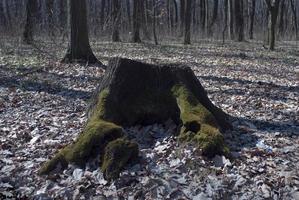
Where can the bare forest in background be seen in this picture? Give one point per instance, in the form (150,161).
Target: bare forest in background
(156,20)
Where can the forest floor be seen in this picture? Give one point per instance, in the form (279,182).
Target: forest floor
(43,103)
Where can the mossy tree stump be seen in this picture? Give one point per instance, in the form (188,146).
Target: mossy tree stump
(136,93)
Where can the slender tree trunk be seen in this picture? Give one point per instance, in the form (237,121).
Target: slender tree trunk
(128,9)
(7,13)
(239,20)
(207,17)
(214,17)
(136,21)
(194,17)
(182,16)
(102,15)
(231,19)
(143,19)
(154,21)
(3,22)
(168,11)
(50,17)
(62,14)
(176,18)
(116,14)
(273,13)
(202,6)
(293,8)
(187,29)
(281,25)
(252,16)
(225,20)
(79,49)
(31,9)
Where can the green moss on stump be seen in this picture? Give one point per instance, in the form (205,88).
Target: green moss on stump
(211,141)
(58,161)
(118,154)
(192,112)
(199,125)
(135,93)
(90,143)
(100,109)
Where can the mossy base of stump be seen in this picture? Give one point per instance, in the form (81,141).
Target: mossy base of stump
(134,93)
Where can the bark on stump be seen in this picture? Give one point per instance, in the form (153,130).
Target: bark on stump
(136,93)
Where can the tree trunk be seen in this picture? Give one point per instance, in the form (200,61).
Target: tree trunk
(128,9)
(207,18)
(187,28)
(136,20)
(143,19)
(225,20)
(6,13)
(202,6)
(31,9)
(116,15)
(273,13)
(154,22)
(176,18)
(168,11)
(281,26)
(3,22)
(50,17)
(252,15)
(231,20)
(63,14)
(182,16)
(79,49)
(214,17)
(102,15)
(239,20)
(293,7)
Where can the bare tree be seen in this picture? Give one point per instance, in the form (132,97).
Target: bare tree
(214,16)
(273,7)
(31,9)
(102,14)
(252,17)
(187,28)
(154,21)
(231,19)
(50,17)
(3,22)
(182,16)
(281,25)
(202,7)
(79,49)
(116,14)
(239,18)
(225,7)
(293,8)
(136,20)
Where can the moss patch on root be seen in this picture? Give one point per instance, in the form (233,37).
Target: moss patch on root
(57,162)
(118,154)
(211,141)
(198,123)
(90,143)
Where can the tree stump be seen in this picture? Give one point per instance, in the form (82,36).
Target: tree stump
(134,93)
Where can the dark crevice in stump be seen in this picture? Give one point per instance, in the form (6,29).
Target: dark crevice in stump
(137,93)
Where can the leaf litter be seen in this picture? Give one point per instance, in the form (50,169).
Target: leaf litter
(42,108)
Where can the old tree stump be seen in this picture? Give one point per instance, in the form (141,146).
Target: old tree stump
(136,93)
